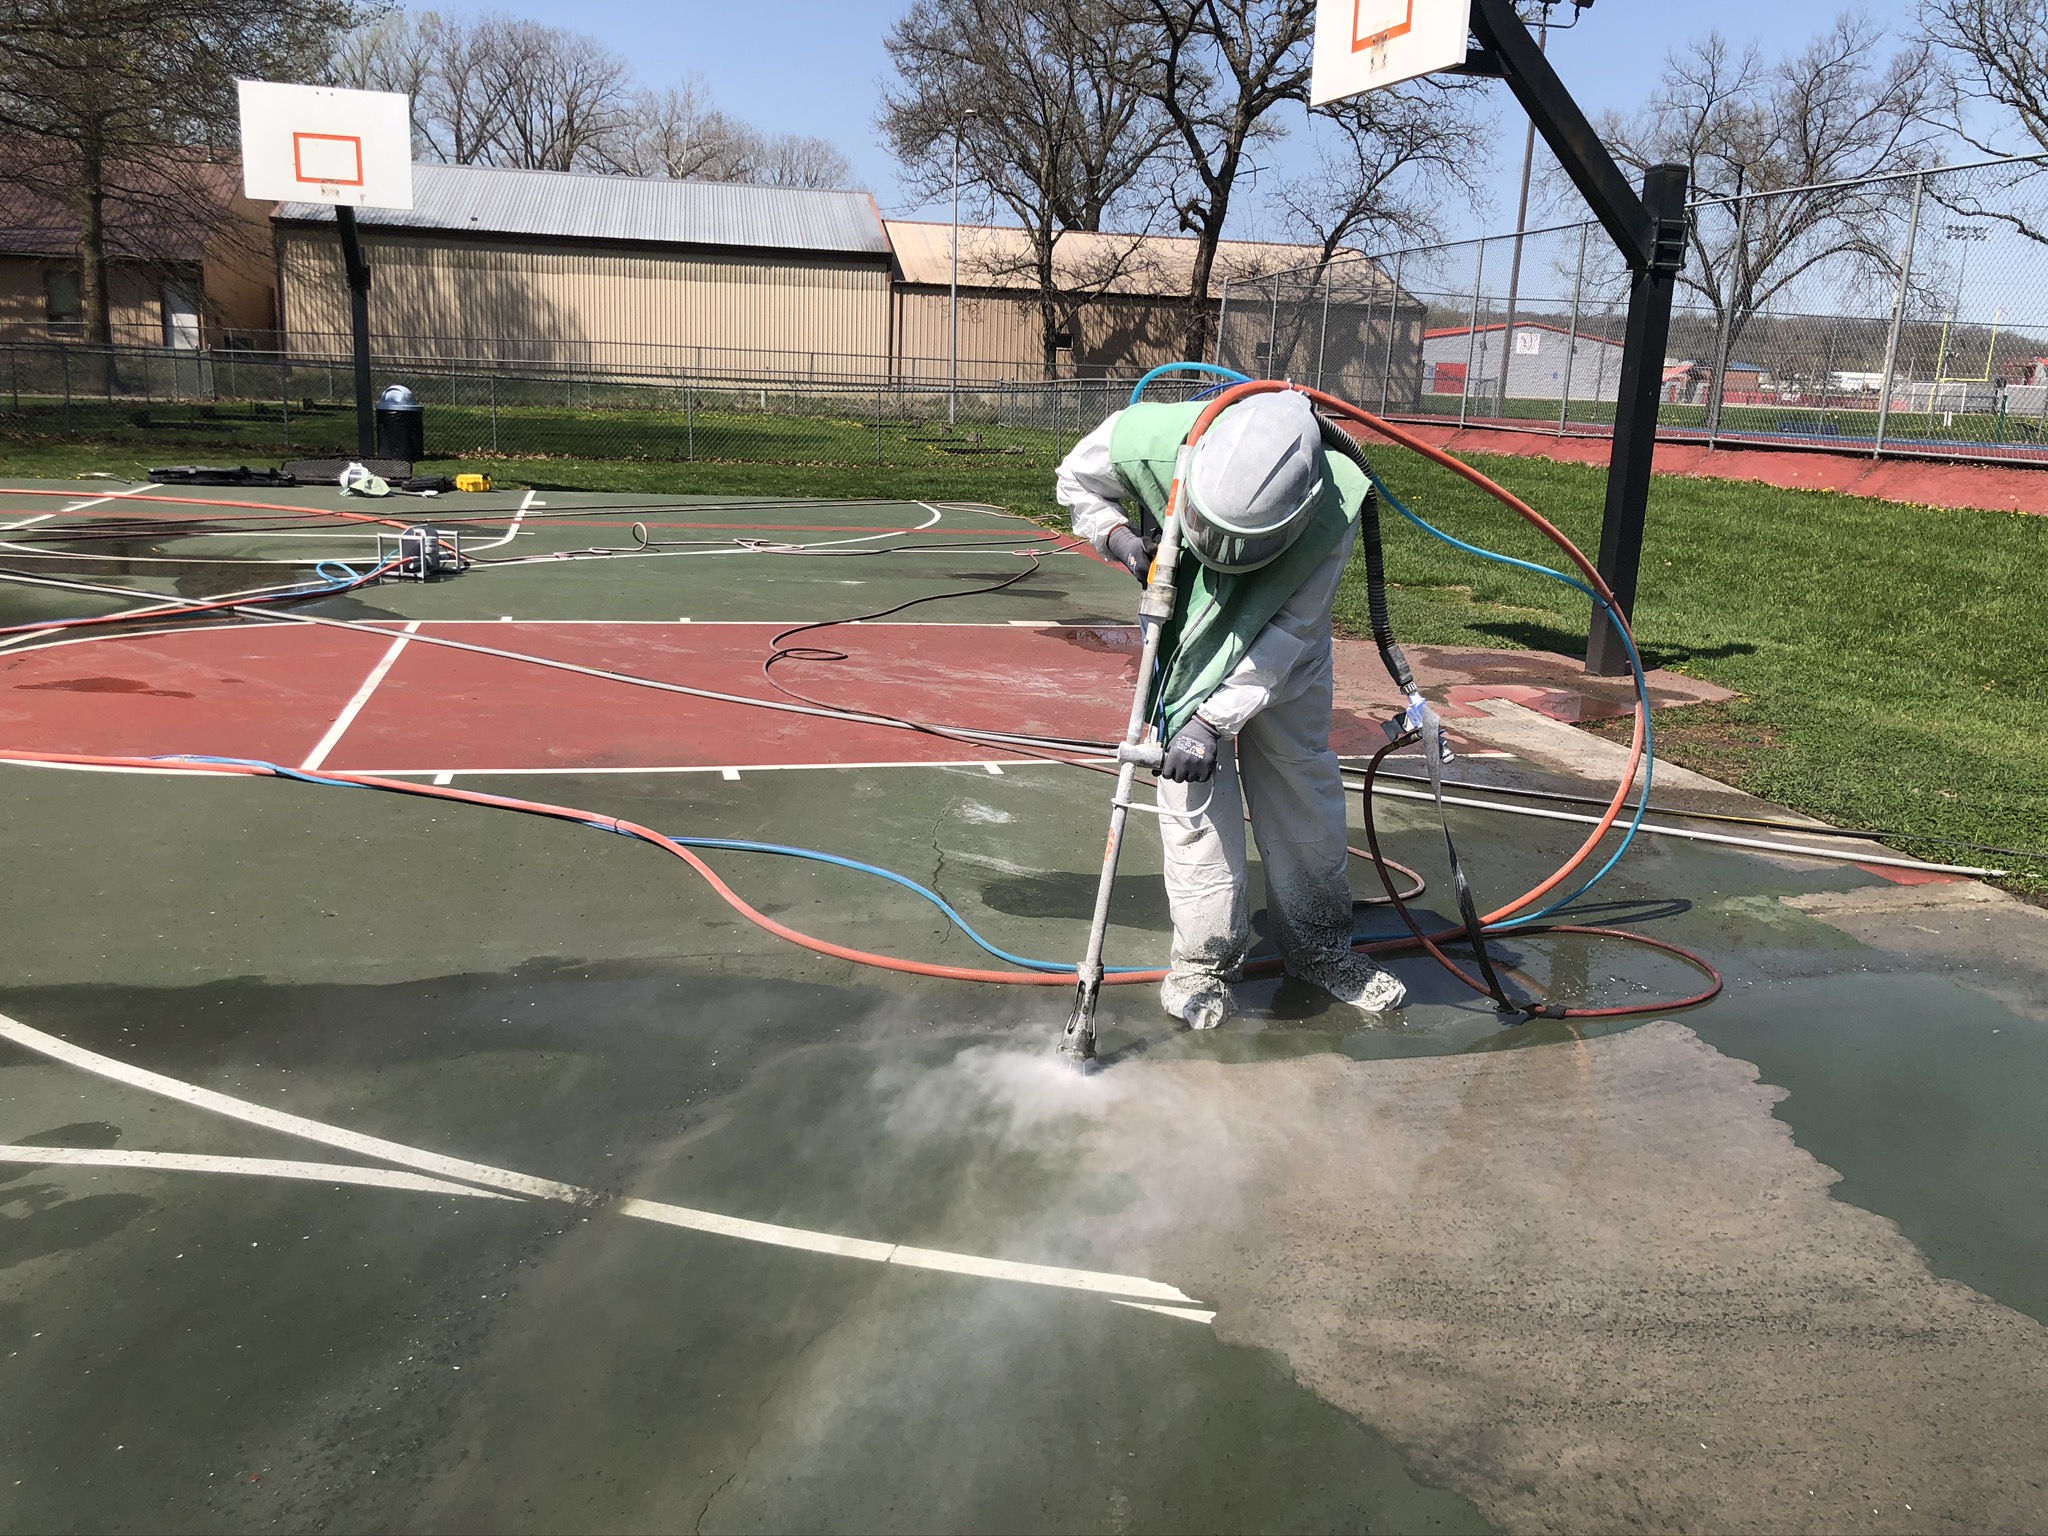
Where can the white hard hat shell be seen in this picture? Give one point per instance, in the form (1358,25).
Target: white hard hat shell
(1253,482)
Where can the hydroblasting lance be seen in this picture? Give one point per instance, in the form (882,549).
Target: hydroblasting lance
(1141,748)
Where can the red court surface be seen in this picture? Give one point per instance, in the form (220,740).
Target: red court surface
(280,692)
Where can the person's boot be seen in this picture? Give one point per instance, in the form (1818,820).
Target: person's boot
(1353,979)
(1198,1001)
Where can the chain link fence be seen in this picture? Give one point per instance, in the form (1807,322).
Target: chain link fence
(1902,314)
(247,405)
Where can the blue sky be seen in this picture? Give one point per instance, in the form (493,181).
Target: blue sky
(807,66)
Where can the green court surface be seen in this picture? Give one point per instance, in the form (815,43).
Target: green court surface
(383,1162)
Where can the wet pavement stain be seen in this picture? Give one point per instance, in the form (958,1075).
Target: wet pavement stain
(383,1359)
(103,685)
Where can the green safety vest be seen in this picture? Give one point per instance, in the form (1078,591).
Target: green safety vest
(1218,615)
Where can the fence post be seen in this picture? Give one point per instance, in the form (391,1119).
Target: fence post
(494,412)
(14,375)
(1393,315)
(1222,315)
(1323,336)
(1717,383)
(64,363)
(1272,329)
(1891,346)
(690,421)
(1571,340)
(1472,335)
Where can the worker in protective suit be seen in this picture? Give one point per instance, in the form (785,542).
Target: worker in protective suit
(1268,516)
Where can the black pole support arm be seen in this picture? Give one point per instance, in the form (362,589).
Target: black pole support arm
(1511,51)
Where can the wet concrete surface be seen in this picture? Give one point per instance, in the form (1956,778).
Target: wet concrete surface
(1742,1271)
(617,1031)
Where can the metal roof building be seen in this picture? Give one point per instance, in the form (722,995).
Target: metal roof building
(708,279)
(607,272)
(624,210)
(1135,289)
(1546,362)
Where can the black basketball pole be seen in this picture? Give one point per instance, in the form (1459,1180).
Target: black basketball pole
(359,325)
(1649,231)
(1640,392)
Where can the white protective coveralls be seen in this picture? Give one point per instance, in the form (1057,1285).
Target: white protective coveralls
(1272,717)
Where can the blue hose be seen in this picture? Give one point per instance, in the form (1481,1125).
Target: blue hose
(735,845)
(738,846)
(1230,375)
(1635,667)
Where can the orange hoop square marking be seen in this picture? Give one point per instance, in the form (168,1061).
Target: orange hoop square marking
(328,159)
(1400,28)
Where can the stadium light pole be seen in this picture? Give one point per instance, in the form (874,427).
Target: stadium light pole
(1507,340)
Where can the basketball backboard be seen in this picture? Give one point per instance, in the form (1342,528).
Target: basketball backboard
(320,144)
(1362,45)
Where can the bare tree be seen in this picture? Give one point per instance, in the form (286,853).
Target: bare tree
(1226,69)
(1786,145)
(1994,52)
(1364,188)
(1994,78)
(1052,109)
(566,98)
(501,90)
(132,103)
(677,132)
(794,160)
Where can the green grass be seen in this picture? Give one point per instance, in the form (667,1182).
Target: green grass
(743,427)
(1885,656)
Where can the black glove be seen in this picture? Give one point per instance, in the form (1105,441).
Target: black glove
(1133,551)
(1191,756)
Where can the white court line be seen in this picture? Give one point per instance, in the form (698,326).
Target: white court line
(1192,1314)
(354,706)
(731,774)
(717,768)
(259,1167)
(482,773)
(1095,1281)
(76,506)
(95,501)
(512,532)
(59,1049)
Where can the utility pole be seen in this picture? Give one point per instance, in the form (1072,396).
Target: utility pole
(953,297)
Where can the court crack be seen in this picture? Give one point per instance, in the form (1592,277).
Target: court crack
(766,1424)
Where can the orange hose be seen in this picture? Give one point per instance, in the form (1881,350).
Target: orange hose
(1542,525)
(207,501)
(867,957)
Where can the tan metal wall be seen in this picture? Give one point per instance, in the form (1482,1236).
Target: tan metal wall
(135,301)
(598,307)
(1000,335)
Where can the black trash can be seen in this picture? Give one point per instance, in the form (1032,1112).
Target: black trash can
(401,425)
